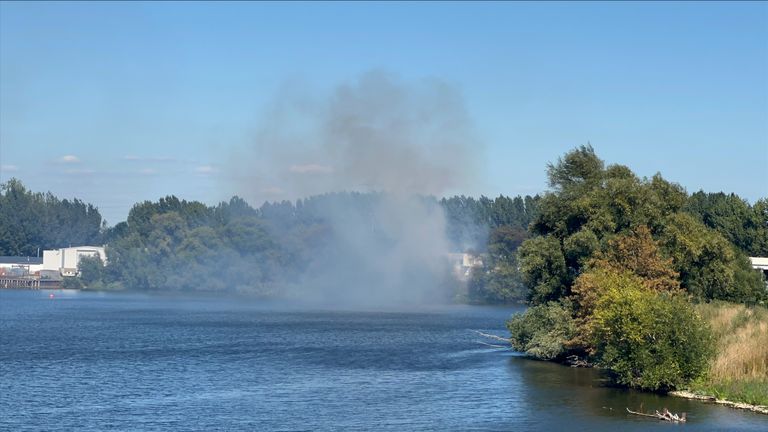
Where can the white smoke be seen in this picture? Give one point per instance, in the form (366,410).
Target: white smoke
(379,134)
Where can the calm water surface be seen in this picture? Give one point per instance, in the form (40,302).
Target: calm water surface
(128,362)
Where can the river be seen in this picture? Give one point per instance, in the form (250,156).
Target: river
(100,361)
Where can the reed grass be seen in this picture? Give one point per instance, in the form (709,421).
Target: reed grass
(739,371)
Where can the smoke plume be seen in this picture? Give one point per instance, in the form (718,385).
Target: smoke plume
(374,134)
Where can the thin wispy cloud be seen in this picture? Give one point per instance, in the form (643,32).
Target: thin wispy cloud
(310,169)
(206,169)
(134,158)
(274,190)
(69,159)
(79,171)
(147,171)
(9,168)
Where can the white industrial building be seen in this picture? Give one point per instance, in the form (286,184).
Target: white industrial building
(65,260)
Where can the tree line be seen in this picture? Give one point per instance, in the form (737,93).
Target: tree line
(177,245)
(174,244)
(33,221)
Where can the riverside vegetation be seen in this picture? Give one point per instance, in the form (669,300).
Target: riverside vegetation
(178,245)
(631,274)
(621,270)
(739,372)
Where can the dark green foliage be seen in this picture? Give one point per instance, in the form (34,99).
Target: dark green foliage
(748,284)
(91,270)
(31,221)
(504,241)
(579,247)
(591,204)
(744,225)
(543,270)
(578,168)
(544,330)
(71,283)
(178,245)
(470,221)
(499,281)
(707,262)
(502,285)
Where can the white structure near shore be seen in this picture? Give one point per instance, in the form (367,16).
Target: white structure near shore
(18,265)
(65,260)
(464,263)
(760,263)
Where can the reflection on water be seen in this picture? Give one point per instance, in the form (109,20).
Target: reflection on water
(128,362)
(583,398)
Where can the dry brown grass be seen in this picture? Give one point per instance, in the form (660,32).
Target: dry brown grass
(742,340)
(740,368)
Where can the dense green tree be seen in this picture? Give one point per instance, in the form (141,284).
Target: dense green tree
(543,270)
(91,271)
(648,340)
(706,261)
(591,204)
(744,225)
(617,249)
(504,241)
(579,248)
(179,245)
(577,169)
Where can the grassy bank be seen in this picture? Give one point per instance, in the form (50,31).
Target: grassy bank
(739,371)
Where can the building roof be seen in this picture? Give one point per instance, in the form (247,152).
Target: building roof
(83,247)
(20,260)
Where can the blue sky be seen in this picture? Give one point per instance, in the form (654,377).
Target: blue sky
(120,102)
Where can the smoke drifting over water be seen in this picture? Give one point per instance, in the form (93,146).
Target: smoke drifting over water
(375,134)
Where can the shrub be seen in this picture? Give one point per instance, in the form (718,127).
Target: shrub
(543,331)
(588,289)
(71,282)
(648,340)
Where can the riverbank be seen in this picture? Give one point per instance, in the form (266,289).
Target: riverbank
(762,409)
(738,375)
